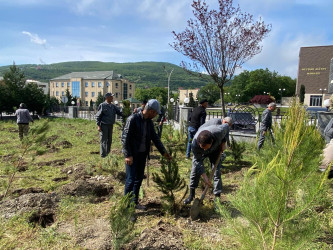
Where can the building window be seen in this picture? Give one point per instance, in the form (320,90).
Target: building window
(116,94)
(125,91)
(92,94)
(86,103)
(57,84)
(62,93)
(99,93)
(86,84)
(130,95)
(99,84)
(62,84)
(86,94)
(92,84)
(116,85)
(316,100)
(76,89)
(130,87)
(107,84)
(57,93)
(68,84)
(53,93)
(53,84)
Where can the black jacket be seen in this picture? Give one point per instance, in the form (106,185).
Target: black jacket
(132,135)
(198,117)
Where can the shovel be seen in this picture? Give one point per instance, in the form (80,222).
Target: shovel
(195,209)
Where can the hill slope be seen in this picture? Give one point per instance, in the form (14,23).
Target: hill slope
(144,74)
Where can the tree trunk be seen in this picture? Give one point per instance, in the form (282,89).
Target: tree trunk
(222,102)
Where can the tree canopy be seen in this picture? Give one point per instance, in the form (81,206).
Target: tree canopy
(219,41)
(259,82)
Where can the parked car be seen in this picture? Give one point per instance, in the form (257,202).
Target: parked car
(314,110)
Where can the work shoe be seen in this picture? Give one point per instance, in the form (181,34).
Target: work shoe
(140,207)
(191,197)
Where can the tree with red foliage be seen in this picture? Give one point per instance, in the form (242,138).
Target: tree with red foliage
(262,99)
(219,41)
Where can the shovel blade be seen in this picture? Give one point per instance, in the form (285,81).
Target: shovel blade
(195,209)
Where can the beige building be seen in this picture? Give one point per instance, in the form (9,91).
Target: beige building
(86,86)
(183,93)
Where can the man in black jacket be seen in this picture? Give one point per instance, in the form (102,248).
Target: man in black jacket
(197,118)
(138,132)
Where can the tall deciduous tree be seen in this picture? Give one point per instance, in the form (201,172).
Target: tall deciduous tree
(219,41)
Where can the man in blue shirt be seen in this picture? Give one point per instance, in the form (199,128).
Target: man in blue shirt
(105,118)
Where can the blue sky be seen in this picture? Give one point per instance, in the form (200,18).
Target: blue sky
(46,31)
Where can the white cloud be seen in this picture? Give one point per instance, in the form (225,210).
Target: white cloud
(172,13)
(34,38)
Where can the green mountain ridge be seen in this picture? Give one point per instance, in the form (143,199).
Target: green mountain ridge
(144,74)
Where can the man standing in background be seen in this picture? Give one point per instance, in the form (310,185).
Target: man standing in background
(266,124)
(23,119)
(197,118)
(105,118)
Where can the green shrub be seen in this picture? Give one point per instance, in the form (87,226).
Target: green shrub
(279,193)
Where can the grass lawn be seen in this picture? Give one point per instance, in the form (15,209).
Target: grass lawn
(69,156)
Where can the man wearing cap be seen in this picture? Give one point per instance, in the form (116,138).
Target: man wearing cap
(138,133)
(196,119)
(23,119)
(266,124)
(209,141)
(105,118)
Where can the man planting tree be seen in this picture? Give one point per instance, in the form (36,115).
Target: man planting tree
(209,141)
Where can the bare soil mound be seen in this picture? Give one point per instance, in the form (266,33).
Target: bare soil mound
(77,171)
(98,186)
(163,236)
(41,205)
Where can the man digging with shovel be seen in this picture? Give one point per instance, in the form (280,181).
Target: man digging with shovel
(209,141)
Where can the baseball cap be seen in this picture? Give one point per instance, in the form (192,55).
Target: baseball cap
(203,101)
(154,104)
(108,94)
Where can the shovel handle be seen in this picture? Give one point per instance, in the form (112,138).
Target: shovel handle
(211,175)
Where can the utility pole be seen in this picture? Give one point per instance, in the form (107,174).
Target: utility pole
(169,75)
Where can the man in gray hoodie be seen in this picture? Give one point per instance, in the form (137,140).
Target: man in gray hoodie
(105,118)
(23,119)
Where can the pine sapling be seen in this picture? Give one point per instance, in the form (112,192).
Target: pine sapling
(169,182)
(237,150)
(121,220)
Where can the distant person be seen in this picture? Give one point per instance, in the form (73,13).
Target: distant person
(23,119)
(197,118)
(139,109)
(138,133)
(160,120)
(266,124)
(105,118)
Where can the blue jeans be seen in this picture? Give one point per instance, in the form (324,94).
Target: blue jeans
(191,132)
(134,175)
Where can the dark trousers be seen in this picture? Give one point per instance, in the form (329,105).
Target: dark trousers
(134,175)
(106,139)
(262,137)
(195,177)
